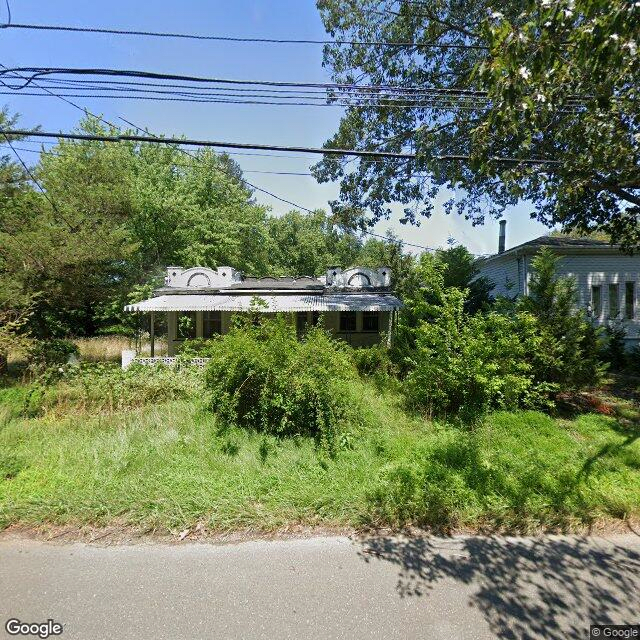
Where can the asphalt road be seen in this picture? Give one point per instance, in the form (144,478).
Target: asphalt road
(462,587)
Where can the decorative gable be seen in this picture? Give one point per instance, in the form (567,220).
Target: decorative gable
(358,277)
(202,277)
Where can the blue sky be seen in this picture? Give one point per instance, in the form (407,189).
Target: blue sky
(291,125)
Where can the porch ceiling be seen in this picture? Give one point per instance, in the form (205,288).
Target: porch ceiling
(275,303)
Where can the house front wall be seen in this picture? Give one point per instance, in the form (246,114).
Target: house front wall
(507,274)
(592,270)
(330,320)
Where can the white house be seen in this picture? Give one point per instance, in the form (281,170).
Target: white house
(355,304)
(606,278)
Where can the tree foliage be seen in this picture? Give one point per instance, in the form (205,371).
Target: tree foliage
(115,215)
(523,80)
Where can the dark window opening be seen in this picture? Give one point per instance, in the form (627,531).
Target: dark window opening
(347,321)
(614,301)
(629,300)
(301,321)
(212,324)
(370,321)
(596,300)
(315,318)
(186,325)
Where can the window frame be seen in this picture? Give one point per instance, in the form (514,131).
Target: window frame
(369,315)
(596,309)
(302,321)
(630,300)
(613,293)
(207,322)
(344,315)
(194,326)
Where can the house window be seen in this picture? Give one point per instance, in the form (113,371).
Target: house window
(629,300)
(370,321)
(596,300)
(347,321)
(315,318)
(212,324)
(301,321)
(186,325)
(614,301)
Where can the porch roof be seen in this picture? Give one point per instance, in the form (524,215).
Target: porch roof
(275,303)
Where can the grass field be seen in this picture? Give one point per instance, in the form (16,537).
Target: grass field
(170,465)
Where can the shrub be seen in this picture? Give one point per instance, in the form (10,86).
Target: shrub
(46,353)
(468,364)
(375,362)
(569,353)
(614,351)
(262,377)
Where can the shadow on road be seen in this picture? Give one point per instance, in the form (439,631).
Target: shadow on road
(550,588)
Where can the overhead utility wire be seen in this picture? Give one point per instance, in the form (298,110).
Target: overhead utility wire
(242,145)
(351,105)
(193,36)
(38,72)
(273,173)
(246,182)
(209,143)
(253,186)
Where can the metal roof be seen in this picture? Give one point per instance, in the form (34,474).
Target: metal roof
(275,303)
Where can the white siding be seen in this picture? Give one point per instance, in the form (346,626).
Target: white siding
(604,270)
(588,270)
(506,274)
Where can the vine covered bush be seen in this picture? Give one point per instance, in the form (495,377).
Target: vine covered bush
(262,377)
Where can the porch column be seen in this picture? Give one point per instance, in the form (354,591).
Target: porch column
(152,334)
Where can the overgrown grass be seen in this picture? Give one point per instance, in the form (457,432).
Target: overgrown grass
(102,349)
(172,465)
(109,348)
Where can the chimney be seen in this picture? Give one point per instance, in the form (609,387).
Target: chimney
(502,237)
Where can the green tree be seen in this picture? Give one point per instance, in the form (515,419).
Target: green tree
(133,209)
(462,272)
(307,244)
(388,252)
(521,80)
(569,352)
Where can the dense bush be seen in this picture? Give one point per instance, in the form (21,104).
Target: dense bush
(516,354)
(570,350)
(614,351)
(376,364)
(468,364)
(264,378)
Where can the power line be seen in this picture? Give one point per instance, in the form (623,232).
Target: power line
(244,181)
(193,36)
(37,72)
(430,105)
(273,173)
(124,137)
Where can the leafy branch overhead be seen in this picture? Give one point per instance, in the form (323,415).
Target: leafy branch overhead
(551,81)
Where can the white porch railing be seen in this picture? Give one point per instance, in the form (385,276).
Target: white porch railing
(129,357)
